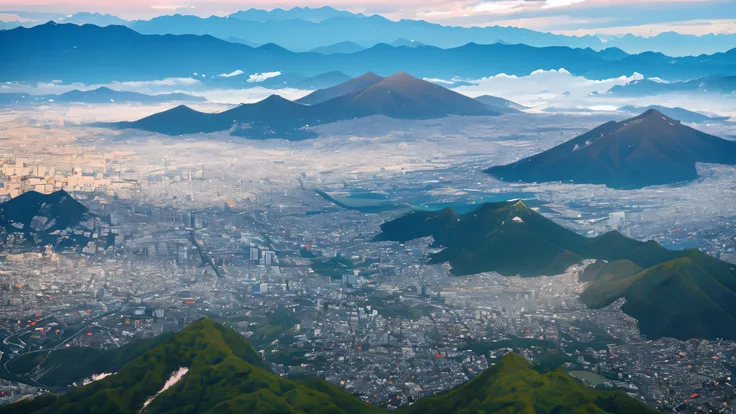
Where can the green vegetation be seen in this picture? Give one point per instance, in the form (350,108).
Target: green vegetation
(66,366)
(691,296)
(513,386)
(225,375)
(681,294)
(391,307)
(333,267)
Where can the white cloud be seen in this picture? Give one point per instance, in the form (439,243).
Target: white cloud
(231,74)
(543,87)
(561,3)
(693,27)
(260,77)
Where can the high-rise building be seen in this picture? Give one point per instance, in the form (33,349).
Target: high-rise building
(268,257)
(254,254)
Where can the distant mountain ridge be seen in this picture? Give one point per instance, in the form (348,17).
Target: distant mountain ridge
(312,27)
(512,239)
(96,96)
(681,114)
(650,149)
(92,54)
(718,85)
(399,96)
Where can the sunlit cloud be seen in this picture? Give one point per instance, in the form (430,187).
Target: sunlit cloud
(693,27)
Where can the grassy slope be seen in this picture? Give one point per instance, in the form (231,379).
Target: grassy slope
(700,286)
(225,375)
(512,386)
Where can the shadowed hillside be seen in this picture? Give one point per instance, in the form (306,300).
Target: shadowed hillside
(650,149)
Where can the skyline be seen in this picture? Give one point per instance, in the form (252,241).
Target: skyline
(569,17)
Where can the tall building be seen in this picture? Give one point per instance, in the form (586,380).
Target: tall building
(254,254)
(268,257)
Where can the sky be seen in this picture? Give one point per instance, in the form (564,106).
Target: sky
(640,17)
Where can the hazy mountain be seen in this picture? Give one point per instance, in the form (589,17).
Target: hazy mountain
(724,85)
(500,105)
(92,54)
(674,44)
(324,80)
(304,29)
(612,54)
(650,149)
(342,47)
(213,369)
(350,86)
(511,239)
(513,386)
(303,13)
(399,96)
(96,96)
(33,219)
(406,42)
(406,97)
(678,113)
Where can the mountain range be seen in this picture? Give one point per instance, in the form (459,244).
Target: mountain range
(398,96)
(650,149)
(93,54)
(96,96)
(310,28)
(718,85)
(209,368)
(501,237)
(681,114)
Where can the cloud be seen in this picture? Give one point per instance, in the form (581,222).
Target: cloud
(561,3)
(260,77)
(542,87)
(694,27)
(231,74)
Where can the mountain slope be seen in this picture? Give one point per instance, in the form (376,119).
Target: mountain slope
(678,113)
(350,86)
(500,105)
(399,96)
(511,239)
(703,289)
(406,97)
(219,372)
(513,386)
(650,149)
